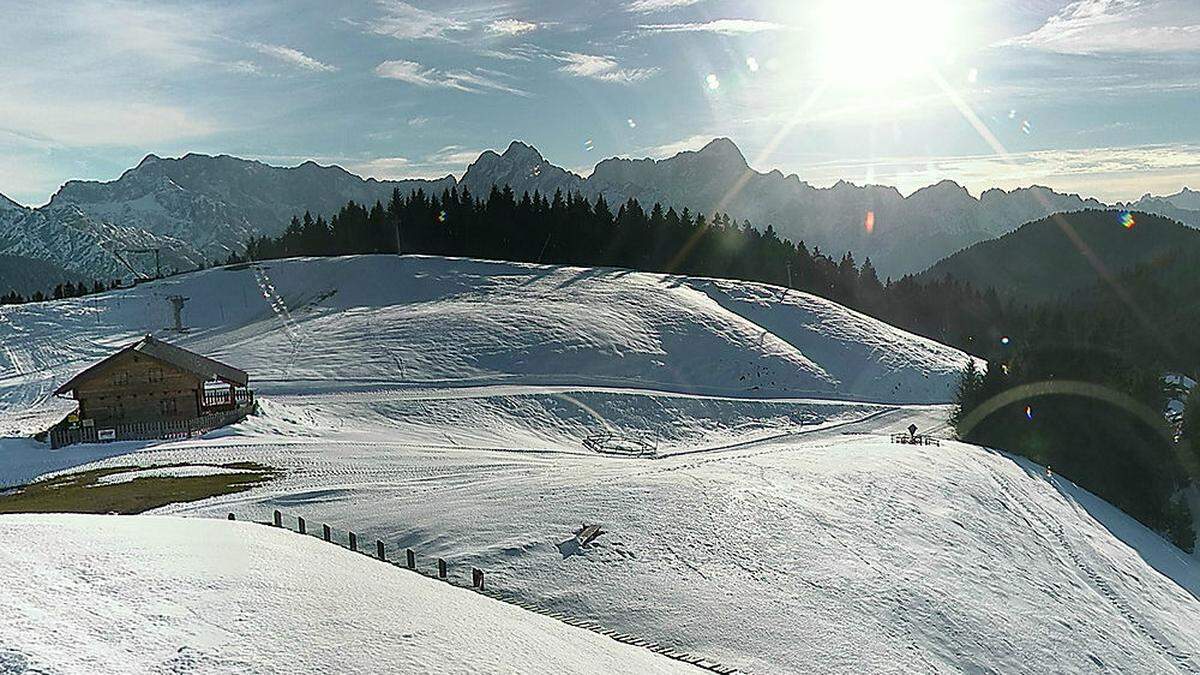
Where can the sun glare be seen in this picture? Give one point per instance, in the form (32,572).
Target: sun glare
(876,42)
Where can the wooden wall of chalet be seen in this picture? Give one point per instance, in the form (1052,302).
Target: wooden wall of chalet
(136,388)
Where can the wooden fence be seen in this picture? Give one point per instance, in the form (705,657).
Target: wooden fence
(480,583)
(224,399)
(915,439)
(68,433)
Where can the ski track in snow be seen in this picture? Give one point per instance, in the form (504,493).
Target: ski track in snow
(777,530)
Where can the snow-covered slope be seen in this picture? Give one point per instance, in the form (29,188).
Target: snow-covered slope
(301,326)
(442,405)
(104,594)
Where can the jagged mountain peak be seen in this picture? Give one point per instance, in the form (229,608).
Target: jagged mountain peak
(723,149)
(520,151)
(7,204)
(940,189)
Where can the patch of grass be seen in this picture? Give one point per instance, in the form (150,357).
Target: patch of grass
(83,493)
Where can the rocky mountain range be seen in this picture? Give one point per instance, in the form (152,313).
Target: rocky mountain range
(198,208)
(194,209)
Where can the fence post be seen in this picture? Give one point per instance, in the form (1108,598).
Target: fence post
(477,578)
(353,541)
(441,568)
(278,519)
(231,517)
(326,532)
(410,558)
(379,549)
(300,523)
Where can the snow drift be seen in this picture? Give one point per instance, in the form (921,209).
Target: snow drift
(103,594)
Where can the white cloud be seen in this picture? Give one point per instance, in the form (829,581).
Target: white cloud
(603,68)
(718,26)
(672,148)
(1099,26)
(476,81)
(512,27)
(293,57)
(244,67)
(405,22)
(106,123)
(658,5)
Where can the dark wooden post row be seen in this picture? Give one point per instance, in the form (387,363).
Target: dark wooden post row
(441,568)
(379,549)
(353,541)
(278,519)
(326,533)
(410,559)
(300,524)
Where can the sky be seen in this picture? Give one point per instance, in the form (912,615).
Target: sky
(1092,96)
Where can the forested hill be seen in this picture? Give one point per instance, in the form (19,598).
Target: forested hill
(1055,256)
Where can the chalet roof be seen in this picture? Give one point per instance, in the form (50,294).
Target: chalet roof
(197,364)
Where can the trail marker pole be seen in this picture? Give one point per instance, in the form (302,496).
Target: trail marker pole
(379,549)
(300,522)
(410,559)
(441,568)
(278,519)
(353,541)
(326,532)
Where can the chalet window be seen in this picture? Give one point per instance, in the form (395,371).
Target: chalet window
(156,375)
(168,406)
(121,377)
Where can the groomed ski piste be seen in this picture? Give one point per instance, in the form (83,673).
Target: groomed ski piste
(442,405)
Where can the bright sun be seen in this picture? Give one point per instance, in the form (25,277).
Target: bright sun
(876,42)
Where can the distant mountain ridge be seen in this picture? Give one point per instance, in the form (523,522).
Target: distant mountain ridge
(905,235)
(1042,260)
(197,208)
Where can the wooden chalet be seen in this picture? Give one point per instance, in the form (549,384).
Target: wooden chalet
(152,389)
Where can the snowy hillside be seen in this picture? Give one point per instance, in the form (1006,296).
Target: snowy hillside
(300,327)
(97,594)
(441,404)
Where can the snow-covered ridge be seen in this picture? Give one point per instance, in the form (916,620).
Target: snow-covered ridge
(91,594)
(304,324)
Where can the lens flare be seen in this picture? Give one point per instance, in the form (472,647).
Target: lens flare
(870,222)
(1127,220)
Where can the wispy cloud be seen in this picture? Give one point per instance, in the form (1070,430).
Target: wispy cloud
(512,27)
(474,81)
(672,148)
(107,123)
(1100,26)
(659,5)
(718,26)
(521,52)
(293,57)
(603,68)
(406,22)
